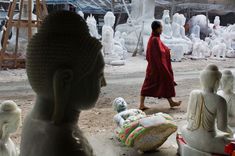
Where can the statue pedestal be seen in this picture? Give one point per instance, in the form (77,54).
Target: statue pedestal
(185,150)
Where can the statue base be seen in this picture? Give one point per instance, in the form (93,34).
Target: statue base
(185,150)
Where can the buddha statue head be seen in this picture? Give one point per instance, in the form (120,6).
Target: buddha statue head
(10,119)
(109,19)
(166,17)
(210,78)
(64,67)
(227,81)
(182,19)
(119,105)
(175,18)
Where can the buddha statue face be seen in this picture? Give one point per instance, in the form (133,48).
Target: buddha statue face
(227,81)
(210,78)
(65,66)
(119,105)
(109,19)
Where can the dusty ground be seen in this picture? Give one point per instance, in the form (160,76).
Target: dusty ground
(122,82)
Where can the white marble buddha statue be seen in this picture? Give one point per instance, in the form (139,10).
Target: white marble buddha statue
(166,24)
(227,93)
(217,31)
(206,113)
(65,71)
(92,25)
(10,120)
(108,33)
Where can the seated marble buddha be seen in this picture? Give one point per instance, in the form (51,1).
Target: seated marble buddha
(64,68)
(227,93)
(207,129)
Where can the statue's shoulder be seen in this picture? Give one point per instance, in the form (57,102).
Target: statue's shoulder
(196,92)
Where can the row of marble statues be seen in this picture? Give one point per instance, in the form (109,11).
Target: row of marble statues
(138,30)
(218,45)
(114,50)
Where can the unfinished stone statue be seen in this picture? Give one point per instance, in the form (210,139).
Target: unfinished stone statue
(138,130)
(219,51)
(206,113)
(92,25)
(201,50)
(23,32)
(227,93)
(10,120)
(64,68)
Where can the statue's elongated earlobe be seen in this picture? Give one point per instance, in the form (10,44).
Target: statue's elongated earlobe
(61,86)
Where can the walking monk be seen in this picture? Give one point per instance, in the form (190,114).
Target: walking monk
(159,81)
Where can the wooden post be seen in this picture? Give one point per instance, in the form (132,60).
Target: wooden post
(17,31)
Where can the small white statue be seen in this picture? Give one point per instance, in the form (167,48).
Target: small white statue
(228,39)
(217,31)
(92,25)
(112,49)
(201,50)
(141,131)
(166,24)
(108,33)
(119,45)
(227,93)
(219,51)
(206,113)
(10,120)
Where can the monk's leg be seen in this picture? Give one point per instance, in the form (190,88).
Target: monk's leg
(142,106)
(173,103)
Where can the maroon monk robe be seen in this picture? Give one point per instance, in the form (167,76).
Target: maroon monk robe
(159,81)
